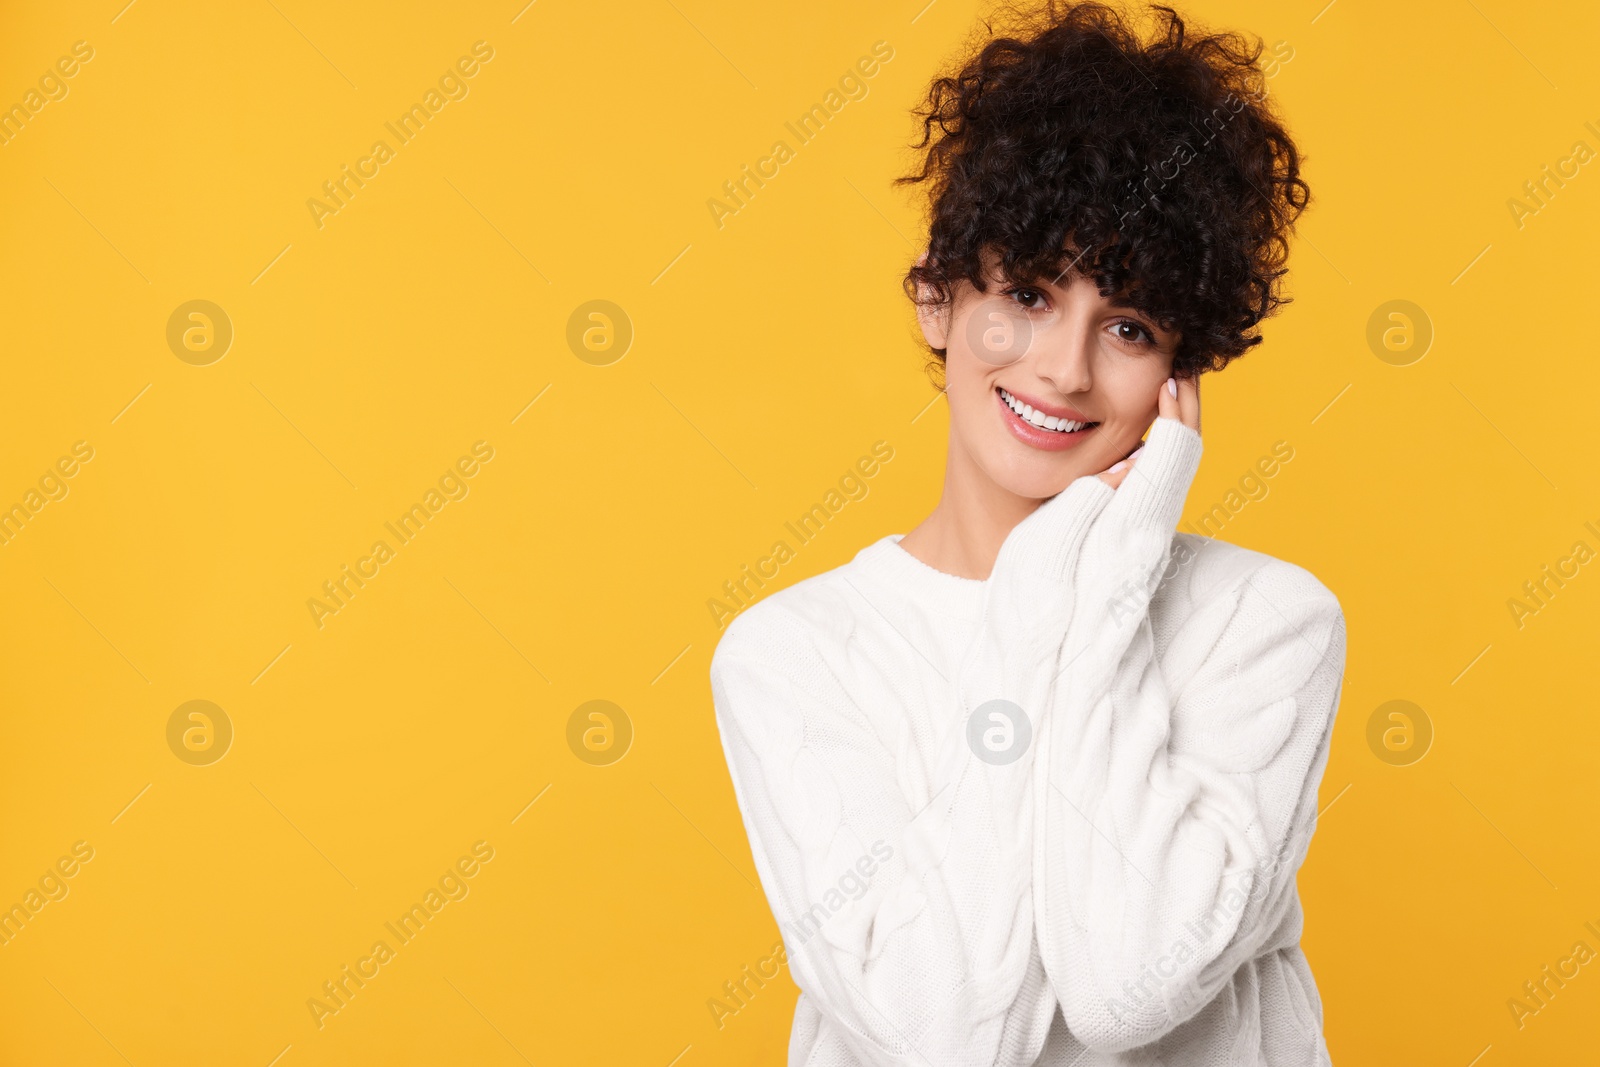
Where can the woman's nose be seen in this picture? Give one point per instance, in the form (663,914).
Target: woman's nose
(1062,358)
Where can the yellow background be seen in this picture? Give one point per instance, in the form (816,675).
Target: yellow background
(768,355)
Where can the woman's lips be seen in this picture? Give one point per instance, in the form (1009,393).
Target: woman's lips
(1034,436)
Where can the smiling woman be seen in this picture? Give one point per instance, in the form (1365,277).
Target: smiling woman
(1081,867)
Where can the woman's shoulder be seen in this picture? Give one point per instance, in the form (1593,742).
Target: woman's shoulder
(1201,570)
(787,623)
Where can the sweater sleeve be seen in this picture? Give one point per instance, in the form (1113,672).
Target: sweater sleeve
(905,905)
(1174,796)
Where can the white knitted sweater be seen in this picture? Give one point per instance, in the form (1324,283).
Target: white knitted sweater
(1106,876)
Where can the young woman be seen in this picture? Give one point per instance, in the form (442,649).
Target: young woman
(1030,784)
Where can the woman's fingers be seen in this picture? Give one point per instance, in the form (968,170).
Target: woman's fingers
(1176,398)
(1167,404)
(1114,475)
(1189,402)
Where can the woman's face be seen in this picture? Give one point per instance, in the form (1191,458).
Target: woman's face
(1088,369)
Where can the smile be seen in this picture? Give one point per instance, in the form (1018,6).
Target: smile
(1040,429)
(1039,420)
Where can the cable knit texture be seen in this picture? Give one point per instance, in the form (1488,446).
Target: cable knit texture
(1116,888)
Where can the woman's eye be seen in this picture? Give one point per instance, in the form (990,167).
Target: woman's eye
(1139,335)
(1028,298)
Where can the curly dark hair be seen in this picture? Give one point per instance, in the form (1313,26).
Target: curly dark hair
(1155,169)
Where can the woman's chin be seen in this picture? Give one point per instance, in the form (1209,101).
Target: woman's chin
(1037,485)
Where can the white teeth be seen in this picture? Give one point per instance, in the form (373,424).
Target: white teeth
(1038,418)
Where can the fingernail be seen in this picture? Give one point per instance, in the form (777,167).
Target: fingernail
(1135,454)
(1115,467)
(1172,387)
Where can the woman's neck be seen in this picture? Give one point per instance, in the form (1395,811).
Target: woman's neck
(963,534)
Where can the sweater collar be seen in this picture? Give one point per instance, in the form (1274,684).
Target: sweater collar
(907,576)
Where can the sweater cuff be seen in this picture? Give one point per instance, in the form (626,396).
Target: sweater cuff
(1153,493)
(1046,542)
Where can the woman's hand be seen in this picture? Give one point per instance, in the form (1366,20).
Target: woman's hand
(1177,398)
